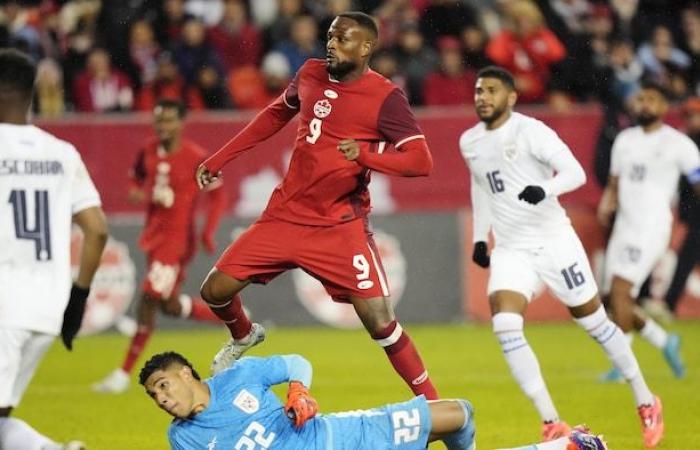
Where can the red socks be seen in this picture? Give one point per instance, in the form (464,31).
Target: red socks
(233,317)
(138,343)
(405,359)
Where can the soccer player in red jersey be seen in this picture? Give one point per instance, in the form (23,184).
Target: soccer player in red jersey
(162,179)
(316,218)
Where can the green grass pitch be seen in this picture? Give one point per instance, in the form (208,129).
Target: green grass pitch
(351,372)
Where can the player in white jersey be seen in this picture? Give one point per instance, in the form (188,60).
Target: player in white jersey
(518,168)
(44,185)
(647,162)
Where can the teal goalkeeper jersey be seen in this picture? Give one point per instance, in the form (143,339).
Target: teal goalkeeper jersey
(244,414)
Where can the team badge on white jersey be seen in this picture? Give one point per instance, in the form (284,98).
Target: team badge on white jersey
(246,402)
(510,151)
(322,109)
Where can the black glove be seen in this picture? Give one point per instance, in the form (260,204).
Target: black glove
(73,316)
(532,194)
(481,254)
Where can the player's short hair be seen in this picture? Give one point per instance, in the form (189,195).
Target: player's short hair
(363,20)
(652,85)
(499,73)
(162,361)
(171,103)
(17,72)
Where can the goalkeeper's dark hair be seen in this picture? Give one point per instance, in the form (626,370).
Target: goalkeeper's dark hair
(17,73)
(363,20)
(499,73)
(162,361)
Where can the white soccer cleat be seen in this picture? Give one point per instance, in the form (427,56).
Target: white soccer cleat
(234,349)
(116,382)
(74,445)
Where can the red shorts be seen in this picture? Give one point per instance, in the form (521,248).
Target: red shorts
(342,257)
(167,266)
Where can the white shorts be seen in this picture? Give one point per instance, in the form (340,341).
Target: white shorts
(20,354)
(633,254)
(560,263)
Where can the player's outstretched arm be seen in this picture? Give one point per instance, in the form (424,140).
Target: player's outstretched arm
(93,224)
(268,122)
(569,176)
(412,159)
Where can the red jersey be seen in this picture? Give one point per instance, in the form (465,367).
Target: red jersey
(171,193)
(321,187)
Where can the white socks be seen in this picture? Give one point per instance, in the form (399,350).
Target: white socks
(523,363)
(653,333)
(185,305)
(17,434)
(616,346)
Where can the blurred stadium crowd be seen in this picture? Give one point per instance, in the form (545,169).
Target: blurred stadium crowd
(121,55)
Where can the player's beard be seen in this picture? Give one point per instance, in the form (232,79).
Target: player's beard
(496,114)
(340,69)
(645,119)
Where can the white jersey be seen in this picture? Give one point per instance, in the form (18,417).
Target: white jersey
(502,163)
(648,167)
(43,182)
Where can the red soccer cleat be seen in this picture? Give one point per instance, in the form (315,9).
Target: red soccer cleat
(652,423)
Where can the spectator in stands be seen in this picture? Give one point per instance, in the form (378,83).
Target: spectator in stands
(528,49)
(446,18)
(416,60)
(170,22)
(473,41)
(167,84)
(22,34)
(691,30)
(302,43)
(384,62)
(253,88)
(49,96)
(193,52)
(280,29)
(665,62)
(114,24)
(581,74)
(209,86)
(102,88)
(391,15)
(237,42)
(143,52)
(452,84)
(209,11)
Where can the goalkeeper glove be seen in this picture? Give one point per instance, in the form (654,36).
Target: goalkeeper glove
(300,405)
(73,315)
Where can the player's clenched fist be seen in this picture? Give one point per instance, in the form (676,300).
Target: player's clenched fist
(205,178)
(349,148)
(301,406)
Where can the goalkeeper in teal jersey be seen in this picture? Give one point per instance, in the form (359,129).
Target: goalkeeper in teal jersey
(236,409)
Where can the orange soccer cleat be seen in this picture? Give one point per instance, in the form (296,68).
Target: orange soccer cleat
(652,423)
(555,430)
